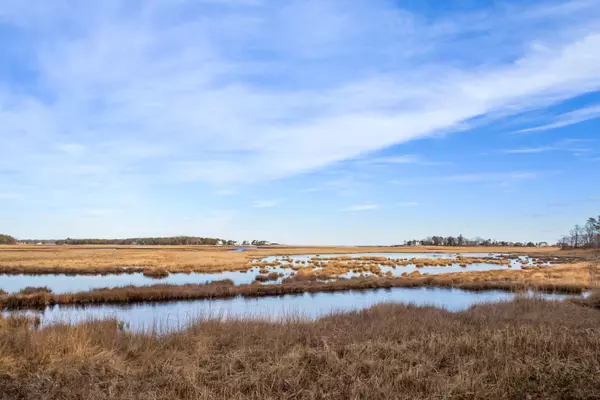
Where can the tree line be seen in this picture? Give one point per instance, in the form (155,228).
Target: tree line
(460,240)
(7,239)
(143,241)
(583,236)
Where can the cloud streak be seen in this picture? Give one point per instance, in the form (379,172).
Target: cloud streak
(265,203)
(362,207)
(409,204)
(567,119)
(563,145)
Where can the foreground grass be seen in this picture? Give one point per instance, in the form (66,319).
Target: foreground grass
(526,349)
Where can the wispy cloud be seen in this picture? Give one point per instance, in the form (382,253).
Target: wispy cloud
(309,190)
(362,207)
(474,177)
(194,81)
(403,159)
(156,105)
(266,203)
(530,150)
(566,119)
(562,145)
(490,177)
(408,204)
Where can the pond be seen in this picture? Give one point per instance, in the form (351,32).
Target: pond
(60,284)
(170,316)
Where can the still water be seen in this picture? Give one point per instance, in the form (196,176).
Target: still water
(170,316)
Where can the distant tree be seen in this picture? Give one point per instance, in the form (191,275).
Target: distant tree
(437,240)
(585,236)
(7,239)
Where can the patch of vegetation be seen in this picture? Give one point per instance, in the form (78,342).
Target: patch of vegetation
(526,349)
(7,239)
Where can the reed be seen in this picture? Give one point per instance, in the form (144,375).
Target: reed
(34,290)
(273,276)
(525,349)
(592,300)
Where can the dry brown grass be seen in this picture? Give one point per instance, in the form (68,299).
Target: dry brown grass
(156,273)
(108,259)
(300,283)
(76,259)
(526,349)
(273,276)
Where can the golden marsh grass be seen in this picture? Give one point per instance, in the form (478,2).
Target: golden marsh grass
(525,349)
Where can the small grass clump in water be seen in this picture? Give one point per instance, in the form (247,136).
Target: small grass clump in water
(273,276)
(156,273)
(34,290)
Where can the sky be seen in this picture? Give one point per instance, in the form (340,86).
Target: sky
(300,121)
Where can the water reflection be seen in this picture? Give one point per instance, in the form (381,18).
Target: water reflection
(177,315)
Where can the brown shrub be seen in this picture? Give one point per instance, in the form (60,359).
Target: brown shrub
(155,273)
(34,290)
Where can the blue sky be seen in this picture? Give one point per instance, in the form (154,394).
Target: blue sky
(306,122)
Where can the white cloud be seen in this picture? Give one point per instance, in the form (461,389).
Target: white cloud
(402,159)
(226,192)
(405,159)
(309,190)
(243,94)
(530,150)
(362,207)
(475,177)
(266,203)
(490,177)
(562,145)
(408,204)
(566,119)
